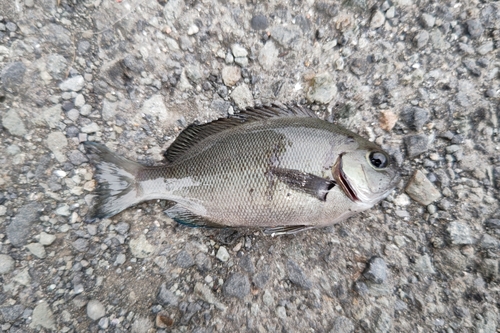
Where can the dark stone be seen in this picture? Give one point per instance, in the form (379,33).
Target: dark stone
(72,131)
(475,28)
(18,231)
(237,285)
(122,228)
(190,311)
(133,63)
(83,47)
(76,157)
(416,145)
(184,259)
(492,223)
(247,264)
(261,278)
(165,297)
(376,271)
(297,275)
(358,66)
(414,117)
(11,313)
(472,67)
(259,22)
(12,76)
(68,105)
(203,262)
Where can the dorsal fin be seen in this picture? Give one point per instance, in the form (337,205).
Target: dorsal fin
(194,134)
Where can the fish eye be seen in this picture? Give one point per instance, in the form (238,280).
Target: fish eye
(378,159)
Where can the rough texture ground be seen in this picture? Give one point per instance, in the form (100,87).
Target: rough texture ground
(420,78)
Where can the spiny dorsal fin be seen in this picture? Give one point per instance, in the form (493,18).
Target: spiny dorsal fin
(194,134)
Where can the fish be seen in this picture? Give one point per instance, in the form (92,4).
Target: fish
(277,167)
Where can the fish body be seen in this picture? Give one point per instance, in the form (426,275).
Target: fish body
(272,167)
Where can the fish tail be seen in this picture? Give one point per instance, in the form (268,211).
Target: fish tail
(116,181)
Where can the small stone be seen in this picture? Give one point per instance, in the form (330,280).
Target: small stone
(6,264)
(222,254)
(122,228)
(427,20)
(342,325)
(208,296)
(37,250)
(103,323)
(18,231)
(241,61)
(75,83)
(459,233)
(237,285)
(11,26)
(83,47)
(42,316)
(63,210)
(387,120)
(485,48)
(492,224)
(297,275)
(376,271)
(193,30)
(475,28)
(90,128)
(13,123)
(286,36)
(416,145)
(391,12)
(95,309)
(259,22)
(281,312)
(140,247)
(378,19)
(358,66)
(424,265)
(120,259)
(52,115)
(184,259)
(421,39)
(421,190)
(81,244)
(229,58)
(85,110)
(11,313)
(322,89)
(231,75)
(261,278)
(56,66)
(12,76)
(242,96)
(165,297)
(76,157)
(238,51)
(268,55)
(56,142)
(414,117)
(489,242)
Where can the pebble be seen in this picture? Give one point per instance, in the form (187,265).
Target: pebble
(342,325)
(56,66)
(421,190)
(165,297)
(376,271)
(388,120)
(208,296)
(12,76)
(492,223)
(281,312)
(203,262)
(120,259)
(75,83)
(11,26)
(286,36)
(490,269)
(42,316)
(236,285)
(63,210)
(414,117)
(416,144)
(485,48)
(76,157)
(378,19)
(427,20)
(242,96)
(297,276)
(6,264)
(140,247)
(95,309)
(421,39)
(458,233)
(222,254)
(424,265)
(193,30)
(19,229)
(56,142)
(11,313)
(184,259)
(259,22)
(475,28)
(322,90)
(81,244)
(489,242)
(13,123)
(231,75)
(73,115)
(122,228)
(37,250)
(52,115)
(268,55)
(238,51)
(79,101)
(90,128)
(85,110)
(103,323)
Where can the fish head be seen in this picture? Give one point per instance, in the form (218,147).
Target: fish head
(366,175)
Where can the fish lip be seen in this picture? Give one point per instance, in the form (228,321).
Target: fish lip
(341,179)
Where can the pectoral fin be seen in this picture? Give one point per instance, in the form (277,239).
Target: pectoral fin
(286,230)
(305,182)
(184,216)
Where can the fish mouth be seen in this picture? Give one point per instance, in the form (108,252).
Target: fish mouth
(341,179)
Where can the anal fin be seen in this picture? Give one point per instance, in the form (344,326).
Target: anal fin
(184,216)
(286,230)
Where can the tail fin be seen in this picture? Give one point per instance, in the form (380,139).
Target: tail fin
(116,184)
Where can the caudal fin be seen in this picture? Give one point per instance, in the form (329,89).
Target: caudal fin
(116,185)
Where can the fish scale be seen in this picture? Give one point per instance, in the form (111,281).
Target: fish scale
(270,169)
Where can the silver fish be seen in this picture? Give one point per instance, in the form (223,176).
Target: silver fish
(275,167)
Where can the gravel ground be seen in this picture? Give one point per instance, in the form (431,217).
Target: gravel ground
(420,78)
